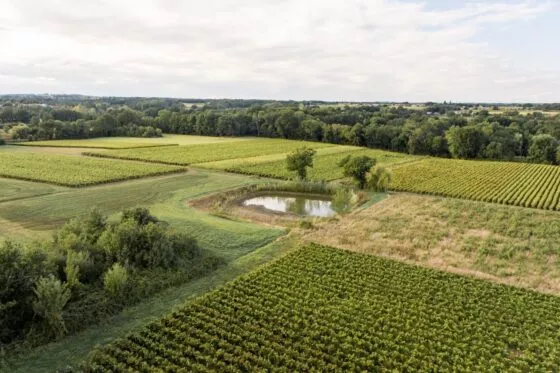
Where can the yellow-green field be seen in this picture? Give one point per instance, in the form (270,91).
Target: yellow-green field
(134,142)
(520,184)
(325,163)
(74,171)
(185,155)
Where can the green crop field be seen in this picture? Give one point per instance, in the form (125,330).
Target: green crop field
(133,142)
(185,155)
(520,184)
(74,171)
(325,164)
(325,309)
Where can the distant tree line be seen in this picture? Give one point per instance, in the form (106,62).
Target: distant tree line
(444,130)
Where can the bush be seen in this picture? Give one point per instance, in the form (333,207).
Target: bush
(342,200)
(19,271)
(115,280)
(379,179)
(2,142)
(52,296)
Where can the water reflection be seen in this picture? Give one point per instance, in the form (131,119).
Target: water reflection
(299,205)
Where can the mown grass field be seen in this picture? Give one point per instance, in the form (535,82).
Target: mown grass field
(519,184)
(325,309)
(74,171)
(133,142)
(186,155)
(165,196)
(11,189)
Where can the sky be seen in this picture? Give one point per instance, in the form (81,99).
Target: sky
(335,50)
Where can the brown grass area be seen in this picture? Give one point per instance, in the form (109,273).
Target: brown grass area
(510,245)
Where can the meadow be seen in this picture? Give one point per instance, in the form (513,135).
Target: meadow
(132,142)
(186,155)
(506,244)
(74,171)
(325,309)
(519,184)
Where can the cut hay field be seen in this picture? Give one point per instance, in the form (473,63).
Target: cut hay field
(186,155)
(133,142)
(325,309)
(74,171)
(519,184)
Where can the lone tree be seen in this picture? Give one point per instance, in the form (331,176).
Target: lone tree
(299,160)
(357,168)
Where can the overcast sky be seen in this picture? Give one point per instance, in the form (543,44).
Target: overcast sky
(350,50)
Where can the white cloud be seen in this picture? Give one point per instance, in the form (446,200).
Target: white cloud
(306,49)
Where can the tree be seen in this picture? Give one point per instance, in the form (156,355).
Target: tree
(543,149)
(52,296)
(357,168)
(466,142)
(299,160)
(379,178)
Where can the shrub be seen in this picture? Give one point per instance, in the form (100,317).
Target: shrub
(342,200)
(379,179)
(115,280)
(52,296)
(19,271)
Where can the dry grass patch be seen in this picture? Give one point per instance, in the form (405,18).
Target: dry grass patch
(512,245)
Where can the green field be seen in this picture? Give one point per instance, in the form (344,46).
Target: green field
(325,163)
(325,309)
(74,171)
(519,184)
(186,155)
(133,142)
(165,196)
(11,189)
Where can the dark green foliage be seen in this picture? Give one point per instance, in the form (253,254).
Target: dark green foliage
(428,130)
(299,160)
(19,271)
(324,309)
(357,168)
(543,149)
(58,287)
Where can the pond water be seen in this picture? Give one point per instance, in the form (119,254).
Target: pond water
(300,205)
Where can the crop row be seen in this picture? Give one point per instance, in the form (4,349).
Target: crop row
(185,155)
(519,184)
(74,171)
(325,309)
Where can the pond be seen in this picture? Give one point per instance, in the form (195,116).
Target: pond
(300,205)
